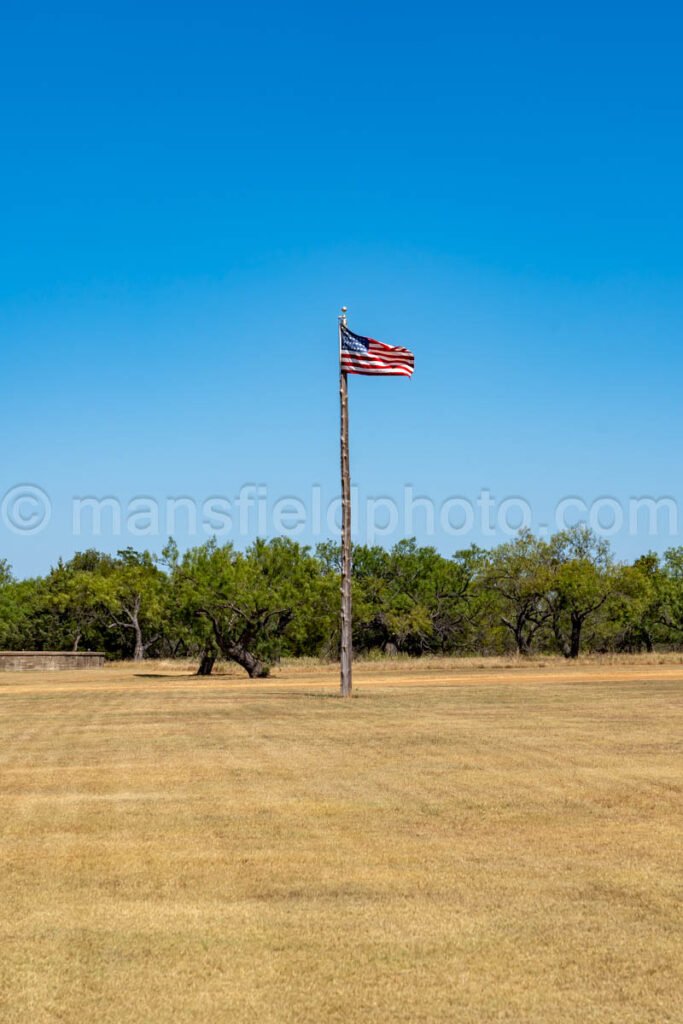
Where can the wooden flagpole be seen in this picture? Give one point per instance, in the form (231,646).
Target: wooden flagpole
(346,613)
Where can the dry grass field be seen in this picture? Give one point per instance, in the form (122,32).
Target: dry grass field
(464,842)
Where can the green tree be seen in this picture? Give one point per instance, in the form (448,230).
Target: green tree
(519,574)
(21,606)
(633,619)
(135,595)
(10,609)
(584,578)
(255,604)
(73,600)
(670,611)
(410,599)
(6,575)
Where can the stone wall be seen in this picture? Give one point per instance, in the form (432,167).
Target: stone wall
(48,661)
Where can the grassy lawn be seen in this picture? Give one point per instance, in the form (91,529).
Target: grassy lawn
(464,842)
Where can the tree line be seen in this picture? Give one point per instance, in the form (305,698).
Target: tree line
(280,599)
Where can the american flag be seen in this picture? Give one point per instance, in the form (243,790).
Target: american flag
(370,357)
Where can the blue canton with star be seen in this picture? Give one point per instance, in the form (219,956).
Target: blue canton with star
(353,343)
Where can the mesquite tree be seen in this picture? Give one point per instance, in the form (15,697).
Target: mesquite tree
(245,602)
(135,595)
(519,574)
(410,599)
(72,595)
(584,578)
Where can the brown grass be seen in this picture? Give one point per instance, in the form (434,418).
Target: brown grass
(465,842)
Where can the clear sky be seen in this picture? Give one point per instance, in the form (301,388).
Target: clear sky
(189,191)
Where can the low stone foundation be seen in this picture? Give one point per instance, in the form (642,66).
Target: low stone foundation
(48,661)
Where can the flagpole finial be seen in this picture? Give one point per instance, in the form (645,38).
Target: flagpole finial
(342,318)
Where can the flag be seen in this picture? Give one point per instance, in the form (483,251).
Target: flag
(374,358)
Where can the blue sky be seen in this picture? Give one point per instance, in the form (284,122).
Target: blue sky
(190,191)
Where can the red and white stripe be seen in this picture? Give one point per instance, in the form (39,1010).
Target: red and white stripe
(380,360)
